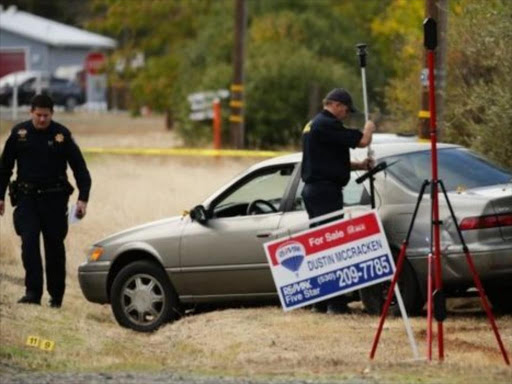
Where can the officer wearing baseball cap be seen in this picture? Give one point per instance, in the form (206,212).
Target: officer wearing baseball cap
(342,96)
(326,163)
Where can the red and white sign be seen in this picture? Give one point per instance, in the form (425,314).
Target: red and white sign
(329,260)
(95,63)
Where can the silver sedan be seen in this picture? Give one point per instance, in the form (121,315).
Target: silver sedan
(150,273)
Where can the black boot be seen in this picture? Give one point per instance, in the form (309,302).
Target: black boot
(30,299)
(55,303)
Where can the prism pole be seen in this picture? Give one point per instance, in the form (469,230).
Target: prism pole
(361,52)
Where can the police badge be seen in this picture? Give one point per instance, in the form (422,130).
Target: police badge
(59,138)
(22,134)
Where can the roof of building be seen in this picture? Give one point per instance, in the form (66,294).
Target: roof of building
(49,31)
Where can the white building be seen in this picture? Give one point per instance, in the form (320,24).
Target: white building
(30,42)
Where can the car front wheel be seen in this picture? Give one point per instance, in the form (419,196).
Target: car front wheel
(374,297)
(142,297)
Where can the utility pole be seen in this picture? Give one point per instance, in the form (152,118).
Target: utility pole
(435,9)
(236,119)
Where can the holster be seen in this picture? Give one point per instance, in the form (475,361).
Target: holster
(13,192)
(69,188)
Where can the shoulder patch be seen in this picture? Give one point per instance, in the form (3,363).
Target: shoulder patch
(307,128)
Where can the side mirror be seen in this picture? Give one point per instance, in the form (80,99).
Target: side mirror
(199,214)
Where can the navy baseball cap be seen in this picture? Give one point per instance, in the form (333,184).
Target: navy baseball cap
(342,96)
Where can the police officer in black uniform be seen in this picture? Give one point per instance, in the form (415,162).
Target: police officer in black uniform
(326,163)
(41,149)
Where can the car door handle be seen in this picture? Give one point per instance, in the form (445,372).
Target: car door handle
(263,234)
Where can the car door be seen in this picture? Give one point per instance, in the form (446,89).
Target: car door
(224,258)
(57,89)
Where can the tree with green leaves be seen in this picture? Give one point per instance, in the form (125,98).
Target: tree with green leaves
(188,48)
(152,29)
(73,12)
(479,84)
(398,34)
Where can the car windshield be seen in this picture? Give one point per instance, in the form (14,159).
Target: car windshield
(459,169)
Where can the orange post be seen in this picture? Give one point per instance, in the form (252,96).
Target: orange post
(216,124)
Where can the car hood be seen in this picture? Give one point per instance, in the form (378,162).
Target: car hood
(170,227)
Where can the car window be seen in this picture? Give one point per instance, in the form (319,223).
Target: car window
(32,84)
(268,185)
(458,169)
(29,85)
(353,194)
(56,83)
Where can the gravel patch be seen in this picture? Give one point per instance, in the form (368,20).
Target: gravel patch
(149,378)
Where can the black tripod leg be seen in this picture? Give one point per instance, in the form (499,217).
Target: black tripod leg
(476,278)
(372,191)
(398,270)
(415,213)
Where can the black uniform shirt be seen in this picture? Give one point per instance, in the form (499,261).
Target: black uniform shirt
(42,156)
(326,142)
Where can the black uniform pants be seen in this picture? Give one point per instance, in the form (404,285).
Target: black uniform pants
(44,213)
(321,198)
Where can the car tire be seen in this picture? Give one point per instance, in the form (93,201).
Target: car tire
(374,297)
(143,298)
(500,299)
(70,104)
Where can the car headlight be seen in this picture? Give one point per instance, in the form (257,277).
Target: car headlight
(95,253)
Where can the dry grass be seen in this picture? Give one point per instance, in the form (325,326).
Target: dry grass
(262,341)
(95,129)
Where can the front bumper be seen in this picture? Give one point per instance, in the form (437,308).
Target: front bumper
(93,281)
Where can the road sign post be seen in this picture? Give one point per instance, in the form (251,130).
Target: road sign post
(96,81)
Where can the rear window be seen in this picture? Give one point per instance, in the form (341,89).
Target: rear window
(458,169)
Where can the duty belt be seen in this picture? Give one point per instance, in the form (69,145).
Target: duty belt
(39,189)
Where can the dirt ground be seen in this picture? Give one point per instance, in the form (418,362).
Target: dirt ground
(255,342)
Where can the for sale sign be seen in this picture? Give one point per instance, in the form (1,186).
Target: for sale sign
(330,260)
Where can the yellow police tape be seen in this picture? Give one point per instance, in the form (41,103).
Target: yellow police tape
(183,152)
